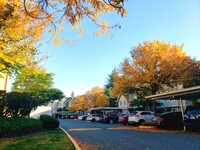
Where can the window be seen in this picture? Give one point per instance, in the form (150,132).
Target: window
(145,113)
(120,103)
(125,103)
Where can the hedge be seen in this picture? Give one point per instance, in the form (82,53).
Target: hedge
(49,122)
(13,126)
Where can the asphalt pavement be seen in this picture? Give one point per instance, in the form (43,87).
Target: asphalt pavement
(115,137)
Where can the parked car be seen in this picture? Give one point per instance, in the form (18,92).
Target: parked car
(81,117)
(139,117)
(123,119)
(111,118)
(59,115)
(192,119)
(93,118)
(170,120)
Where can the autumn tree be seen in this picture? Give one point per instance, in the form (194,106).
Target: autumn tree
(22,24)
(19,34)
(96,97)
(78,104)
(73,105)
(194,75)
(74,12)
(194,79)
(93,98)
(152,68)
(33,17)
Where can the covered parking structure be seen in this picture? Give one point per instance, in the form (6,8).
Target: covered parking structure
(184,94)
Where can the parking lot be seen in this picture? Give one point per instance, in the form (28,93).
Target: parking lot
(101,136)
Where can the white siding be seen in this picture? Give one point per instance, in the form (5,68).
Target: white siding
(174,104)
(40,111)
(123,102)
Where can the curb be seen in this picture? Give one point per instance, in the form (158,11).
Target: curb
(72,140)
(147,127)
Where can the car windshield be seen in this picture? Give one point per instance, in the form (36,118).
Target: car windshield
(133,113)
(195,111)
(125,115)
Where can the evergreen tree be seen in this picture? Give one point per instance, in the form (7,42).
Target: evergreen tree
(109,86)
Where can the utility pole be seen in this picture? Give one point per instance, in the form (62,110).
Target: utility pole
(6,81)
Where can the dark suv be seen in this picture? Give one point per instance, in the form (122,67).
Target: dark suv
(111,118)
(170,120)
(192,119)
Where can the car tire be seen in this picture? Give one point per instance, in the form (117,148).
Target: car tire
(141,122)
(111,121)
(93,120)
(161,124)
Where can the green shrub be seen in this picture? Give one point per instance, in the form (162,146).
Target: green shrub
(49,122)
(59,109)
(19,104)
(13,126)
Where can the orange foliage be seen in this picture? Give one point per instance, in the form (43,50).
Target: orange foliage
(57,12)
(78,104)
(93,98)
(19,33)
(97,97)
(22,24)
(153,67)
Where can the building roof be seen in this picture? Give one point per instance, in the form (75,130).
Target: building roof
(185,94)
(68,99)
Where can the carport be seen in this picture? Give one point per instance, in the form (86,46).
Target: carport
(184,94)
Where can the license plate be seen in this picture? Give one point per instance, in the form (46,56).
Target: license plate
(192,117)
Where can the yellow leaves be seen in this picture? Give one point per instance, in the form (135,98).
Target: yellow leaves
(123,13)
(57,38)
(75,11)
(103,29)
(3,2)
(19,34)
(74,27)
(60,28)
(57,41)
(152,65)
(17,24)
(108,8)
(100,11)
(78,104)
(80,32)
(97,97)
(52,31)
(93,98)
(96,33)
(94,15)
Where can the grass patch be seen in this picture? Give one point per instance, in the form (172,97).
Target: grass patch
(45,140)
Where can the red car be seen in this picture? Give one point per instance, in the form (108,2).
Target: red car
(123,119)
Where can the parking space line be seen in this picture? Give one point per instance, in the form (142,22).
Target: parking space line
(84,129)
(118,128)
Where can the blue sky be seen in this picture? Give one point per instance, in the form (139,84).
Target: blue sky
(87,64)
